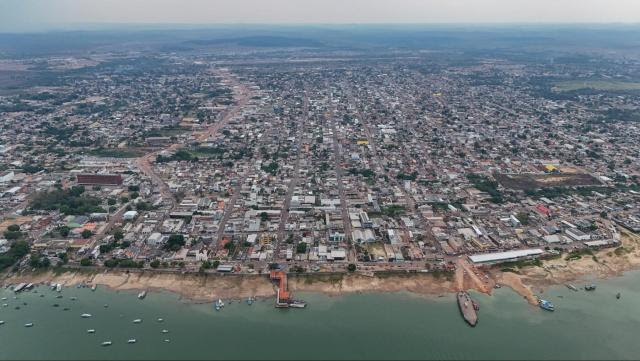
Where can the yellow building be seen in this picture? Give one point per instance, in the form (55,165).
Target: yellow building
(550,168)
(362,142)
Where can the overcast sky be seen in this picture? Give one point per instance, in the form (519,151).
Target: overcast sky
(19,15)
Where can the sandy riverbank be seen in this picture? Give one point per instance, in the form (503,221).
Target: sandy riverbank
(527,282)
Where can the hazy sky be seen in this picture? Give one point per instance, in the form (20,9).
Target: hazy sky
(18,15)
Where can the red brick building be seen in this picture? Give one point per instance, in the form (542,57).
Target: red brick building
(100,179)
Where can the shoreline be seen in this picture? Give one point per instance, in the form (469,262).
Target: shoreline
(527,281)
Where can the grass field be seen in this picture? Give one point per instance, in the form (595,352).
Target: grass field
(604,85)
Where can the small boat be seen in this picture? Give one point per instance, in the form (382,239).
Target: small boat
(167,340)
(28,286)
(106,343)
(165,331)
(298,304)
(1,323)
(5,305)
(93,288)
(59,296)
(131,340)
(85,315)
(142,295)
(250,301)
(105,306)
(66,309)
(137,320)
(19,287)
(58,287)
(4,298)
(160,320)
(572,287)
(73,298)
(91,330)
(219,304)
(618,296)
(30,324)
(475,305)
(17,307)
(590,287)
(546,305)
(56,305)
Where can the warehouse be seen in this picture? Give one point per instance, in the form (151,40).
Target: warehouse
(509,256)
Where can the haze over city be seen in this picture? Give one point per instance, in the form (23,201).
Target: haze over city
(25,15)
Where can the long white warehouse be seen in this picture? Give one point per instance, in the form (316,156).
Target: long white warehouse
(505,256)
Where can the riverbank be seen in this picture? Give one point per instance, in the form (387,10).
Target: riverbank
(527,281)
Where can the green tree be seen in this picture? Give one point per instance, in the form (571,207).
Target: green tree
(175,242)
(85,262)
(118,235)
(351,267)
(13,228)
(64,231)
(86,234)
(301,248)
(112,201)
(155,263)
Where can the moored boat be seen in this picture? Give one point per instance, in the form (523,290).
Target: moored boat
(298,304)
(465,304)
(30,324)
(137,320)
(85,315)
(91,330)
(106,343)
(131,340)
(219,304)
(572,287)
(590,287)
(546,305)
(142,295)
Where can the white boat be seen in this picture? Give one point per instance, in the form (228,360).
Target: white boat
(93,288)
(165,331)
(219,304)
(137,320)
(167,340)
(1,322)
(30,324)
(28,286)
(142,295)
(131,340)
(5,305)
(85,315)
(160,320)
(4,298)
(298,304)
(58,287)
(91,330)
(19,287)
(106,343)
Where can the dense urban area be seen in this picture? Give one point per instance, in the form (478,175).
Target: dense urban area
(244,160)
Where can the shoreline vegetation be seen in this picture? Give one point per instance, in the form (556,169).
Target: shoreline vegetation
(528,280)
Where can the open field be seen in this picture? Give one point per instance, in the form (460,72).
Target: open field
(605,85)
(536,181)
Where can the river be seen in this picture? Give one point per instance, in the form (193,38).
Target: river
(585,325)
